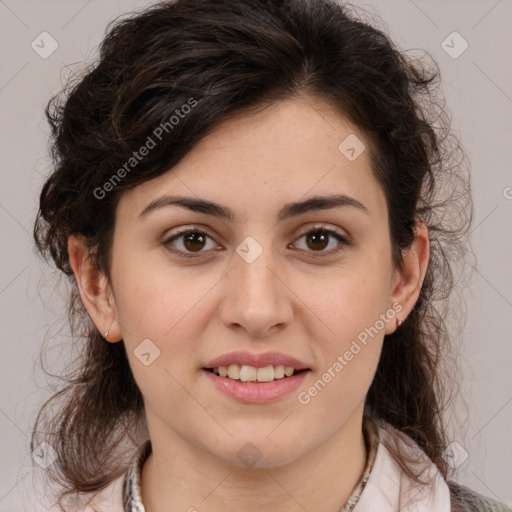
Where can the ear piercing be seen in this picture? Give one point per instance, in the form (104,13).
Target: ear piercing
(105,335)
(398,323)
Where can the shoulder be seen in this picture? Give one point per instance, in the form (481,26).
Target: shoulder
(466,500)
(456,496)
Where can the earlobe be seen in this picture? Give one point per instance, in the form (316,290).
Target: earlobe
(408,280)
(94,289)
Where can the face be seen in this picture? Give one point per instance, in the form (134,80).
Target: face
(310,284)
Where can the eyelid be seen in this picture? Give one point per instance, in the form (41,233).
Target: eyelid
(324,227)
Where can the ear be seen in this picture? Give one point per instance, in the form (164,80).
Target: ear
(94,288)
(408,280)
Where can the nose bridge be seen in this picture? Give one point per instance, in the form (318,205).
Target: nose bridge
(254,268)
(258,297)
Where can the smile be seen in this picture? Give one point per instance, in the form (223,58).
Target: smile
(246,373)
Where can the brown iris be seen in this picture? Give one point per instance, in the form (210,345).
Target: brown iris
(317,237)
(194,241)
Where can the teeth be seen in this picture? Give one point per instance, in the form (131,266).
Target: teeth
(233,371)
(265,374)
(247,373)
(288,371)
(278,371)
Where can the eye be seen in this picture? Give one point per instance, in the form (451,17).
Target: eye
(318,239)
(194,241)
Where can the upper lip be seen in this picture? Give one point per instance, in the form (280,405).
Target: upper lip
(260,360)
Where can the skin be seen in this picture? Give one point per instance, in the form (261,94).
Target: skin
(312,456)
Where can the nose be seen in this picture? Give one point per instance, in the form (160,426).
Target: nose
(256,296)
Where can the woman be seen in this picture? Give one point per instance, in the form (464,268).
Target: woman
(247,200)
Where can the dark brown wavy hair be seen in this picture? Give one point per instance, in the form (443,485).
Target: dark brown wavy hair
(233,56)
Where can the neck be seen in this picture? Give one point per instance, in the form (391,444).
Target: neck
(179,476)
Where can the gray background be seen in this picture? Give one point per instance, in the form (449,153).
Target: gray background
(478,89)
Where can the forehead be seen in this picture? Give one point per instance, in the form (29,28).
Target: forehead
(255,163)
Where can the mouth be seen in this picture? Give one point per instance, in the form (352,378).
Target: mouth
(253,374)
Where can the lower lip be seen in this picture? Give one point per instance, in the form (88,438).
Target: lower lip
(257,393)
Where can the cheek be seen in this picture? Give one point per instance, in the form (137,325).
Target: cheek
(167,314)
(350,300)
(151,300)
(346,320)
(348,357)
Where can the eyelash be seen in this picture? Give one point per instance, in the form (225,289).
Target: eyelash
(320,254)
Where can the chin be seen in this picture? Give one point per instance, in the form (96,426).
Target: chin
(258,452)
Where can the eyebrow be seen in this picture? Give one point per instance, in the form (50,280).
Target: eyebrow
(289,210)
